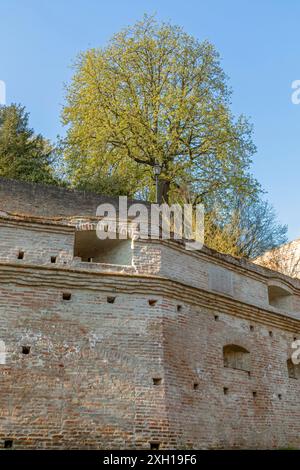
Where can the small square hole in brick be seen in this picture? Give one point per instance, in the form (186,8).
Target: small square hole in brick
(156,381)
(66,296)
(8,443)
(216,317)
(21,255)
(196,386)
(225,390)
(154,445)
(111,300)
(179,308)
(254,394)
(53,259)
(152,302)
(271,334)
(25,349)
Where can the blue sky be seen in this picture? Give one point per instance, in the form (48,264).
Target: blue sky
(259,46)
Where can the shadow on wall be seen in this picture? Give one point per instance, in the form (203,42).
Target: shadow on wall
(91,249)
(280,297)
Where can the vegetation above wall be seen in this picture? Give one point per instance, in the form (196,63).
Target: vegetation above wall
(153,97)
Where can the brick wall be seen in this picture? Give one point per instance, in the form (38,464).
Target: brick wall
(38,243)
(224,274)
(49,201)
(259,410)
(126,356)
(87,381)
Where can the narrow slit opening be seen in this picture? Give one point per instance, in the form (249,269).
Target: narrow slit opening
(25,349)
(8,443)
(156,381)
(154,445)
(66,296)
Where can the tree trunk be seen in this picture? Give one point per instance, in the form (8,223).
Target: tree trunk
(163,191)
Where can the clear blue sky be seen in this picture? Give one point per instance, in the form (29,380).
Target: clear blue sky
(259,42)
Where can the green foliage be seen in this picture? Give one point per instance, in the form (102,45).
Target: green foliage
(156,94)
(23,155)
(222,238)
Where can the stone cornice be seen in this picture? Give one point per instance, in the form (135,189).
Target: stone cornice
(64,278)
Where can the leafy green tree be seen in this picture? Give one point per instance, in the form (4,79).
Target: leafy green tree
(23,154)
(156,95)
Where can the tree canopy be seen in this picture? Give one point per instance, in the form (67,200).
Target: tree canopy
(153,96)
(24,155)
(156,95)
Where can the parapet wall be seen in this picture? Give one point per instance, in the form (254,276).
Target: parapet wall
(49,201)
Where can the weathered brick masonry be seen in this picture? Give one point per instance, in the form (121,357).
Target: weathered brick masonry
(113,355)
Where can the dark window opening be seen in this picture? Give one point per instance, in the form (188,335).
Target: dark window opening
(152,302)
(179,308)
(156,381)
(25,349)
(271,334)
(8,443)
(21,255)
(66,296)
(111,300)
(279,396)
(225,390)
(53,259)
(251,328)
(196,386)
(216,317)
(254,394)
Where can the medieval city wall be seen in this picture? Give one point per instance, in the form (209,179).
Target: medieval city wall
(176,349)
(89,378)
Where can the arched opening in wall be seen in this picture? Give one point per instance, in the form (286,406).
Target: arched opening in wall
(293,369)
(280,297)
(90,248)
(236,357)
